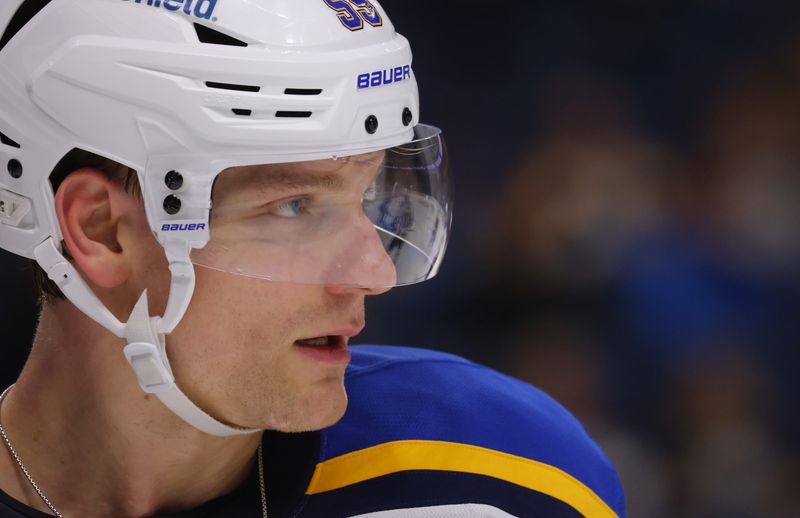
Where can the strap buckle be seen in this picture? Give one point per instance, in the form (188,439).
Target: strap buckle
(152,374)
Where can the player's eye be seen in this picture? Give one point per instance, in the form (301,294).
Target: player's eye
(292,208)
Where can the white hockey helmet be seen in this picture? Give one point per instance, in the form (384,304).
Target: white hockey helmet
(188,92)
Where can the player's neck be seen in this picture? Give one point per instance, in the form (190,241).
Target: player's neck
(95,443)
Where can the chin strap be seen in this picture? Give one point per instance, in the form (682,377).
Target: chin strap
(146,352)
(146,336)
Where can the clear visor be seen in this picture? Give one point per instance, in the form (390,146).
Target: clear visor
(374,220)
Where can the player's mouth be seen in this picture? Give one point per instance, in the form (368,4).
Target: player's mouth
(330,348)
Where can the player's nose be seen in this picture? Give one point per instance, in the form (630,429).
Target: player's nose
(370,269)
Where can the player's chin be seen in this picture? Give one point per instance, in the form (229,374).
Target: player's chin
(316,409)
(326,407)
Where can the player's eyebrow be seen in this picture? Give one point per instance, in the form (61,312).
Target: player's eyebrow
(290,181)
(271,180)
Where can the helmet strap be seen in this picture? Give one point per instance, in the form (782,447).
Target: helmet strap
(146,336)
(72,285)
(147,355)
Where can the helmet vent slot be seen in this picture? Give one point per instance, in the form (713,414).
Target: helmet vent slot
(293,115)
(229,86)
(214,37)
(243,112)
(5,140)
(302,91)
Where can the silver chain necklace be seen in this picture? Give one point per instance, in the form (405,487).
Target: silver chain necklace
(50,505)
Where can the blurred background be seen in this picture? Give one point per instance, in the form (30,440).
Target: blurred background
(627,191)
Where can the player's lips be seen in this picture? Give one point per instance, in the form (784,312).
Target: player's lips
(344,332)
(330,346)
(348,332)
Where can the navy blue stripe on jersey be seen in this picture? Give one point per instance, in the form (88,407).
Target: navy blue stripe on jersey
(411,489)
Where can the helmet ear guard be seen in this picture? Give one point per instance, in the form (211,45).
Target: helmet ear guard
(179,95)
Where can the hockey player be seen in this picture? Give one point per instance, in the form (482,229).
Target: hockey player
(209,190)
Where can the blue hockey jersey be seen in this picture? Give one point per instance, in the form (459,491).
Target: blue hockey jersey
(427,429)
(425,435)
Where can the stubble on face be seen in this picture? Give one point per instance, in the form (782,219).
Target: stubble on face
(234,352)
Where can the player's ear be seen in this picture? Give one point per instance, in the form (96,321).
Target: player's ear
(90,208)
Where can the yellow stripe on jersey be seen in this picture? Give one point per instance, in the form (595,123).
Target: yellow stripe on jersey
(393,457)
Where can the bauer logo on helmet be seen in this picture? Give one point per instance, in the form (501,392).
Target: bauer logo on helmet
(182,227)
(384,77)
